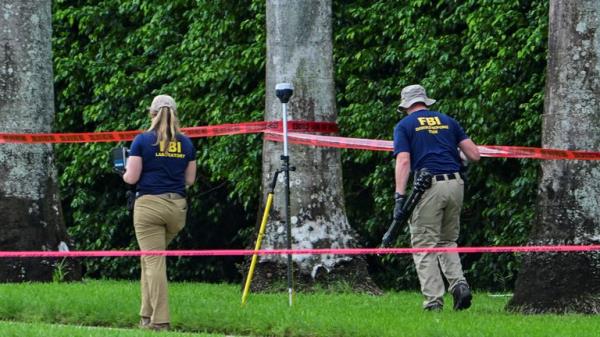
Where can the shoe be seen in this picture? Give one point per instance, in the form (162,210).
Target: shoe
(144,321)
(159,326)
(462,296)
(434,307)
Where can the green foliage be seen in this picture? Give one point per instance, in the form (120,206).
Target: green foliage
(483,60)
(60,272)
(111,57)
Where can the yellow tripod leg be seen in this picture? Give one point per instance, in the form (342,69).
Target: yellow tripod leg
(261,233)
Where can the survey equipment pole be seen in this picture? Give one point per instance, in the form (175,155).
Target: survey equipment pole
(284,91)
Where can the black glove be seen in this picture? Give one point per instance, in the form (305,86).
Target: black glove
(400,200)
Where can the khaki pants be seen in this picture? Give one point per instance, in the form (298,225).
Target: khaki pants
(435,223)
(157,219)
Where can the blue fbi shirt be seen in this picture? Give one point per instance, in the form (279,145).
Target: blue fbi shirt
(164,164)
(432,139)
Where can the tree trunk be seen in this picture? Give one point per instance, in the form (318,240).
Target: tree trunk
(569,193)
(299,50)
(29,198)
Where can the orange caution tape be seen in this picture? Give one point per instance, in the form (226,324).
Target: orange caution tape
(272,130)
(193,132)
(386,145)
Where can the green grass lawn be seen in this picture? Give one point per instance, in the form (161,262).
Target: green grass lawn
(18,329)
(197,307)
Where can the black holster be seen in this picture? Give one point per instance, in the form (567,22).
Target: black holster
(130,195)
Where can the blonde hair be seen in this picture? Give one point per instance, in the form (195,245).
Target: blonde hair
(165,124)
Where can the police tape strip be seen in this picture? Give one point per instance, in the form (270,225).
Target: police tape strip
(271,130)
(322,251)
(193,132)
(386,145)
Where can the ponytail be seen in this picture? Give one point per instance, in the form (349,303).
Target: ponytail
(165,124)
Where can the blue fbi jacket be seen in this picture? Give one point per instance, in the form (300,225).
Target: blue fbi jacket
(163,165)
(432,139)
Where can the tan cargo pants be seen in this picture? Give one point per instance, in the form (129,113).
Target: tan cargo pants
(157,219)
(435,222)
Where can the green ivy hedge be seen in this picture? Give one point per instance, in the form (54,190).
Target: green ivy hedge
(484,61)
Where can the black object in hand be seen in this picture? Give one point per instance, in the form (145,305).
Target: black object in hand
(404,206)
(119,159)
(390,235)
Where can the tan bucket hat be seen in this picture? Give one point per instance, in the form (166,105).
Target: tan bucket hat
(413,94)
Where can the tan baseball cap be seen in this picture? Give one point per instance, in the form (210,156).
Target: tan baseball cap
(163,101)
(413,94)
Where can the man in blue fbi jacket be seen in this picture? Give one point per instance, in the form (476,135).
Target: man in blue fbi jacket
(431,140)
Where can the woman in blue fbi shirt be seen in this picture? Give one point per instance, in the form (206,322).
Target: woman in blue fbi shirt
(161,163)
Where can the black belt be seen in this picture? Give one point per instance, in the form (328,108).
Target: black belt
(442,177)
